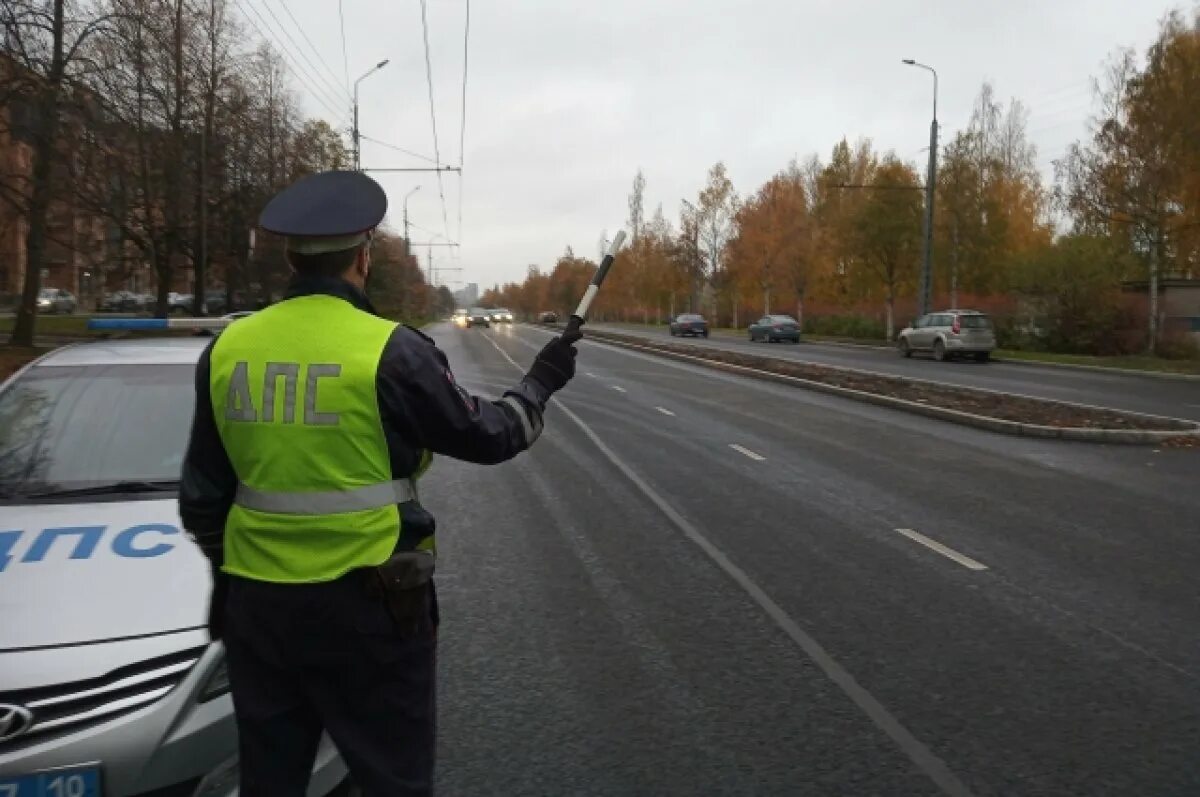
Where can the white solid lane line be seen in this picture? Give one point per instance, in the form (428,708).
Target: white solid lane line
(665,411)
(916,750)
(617,388)
(589,373)
(949,553)
(747,452)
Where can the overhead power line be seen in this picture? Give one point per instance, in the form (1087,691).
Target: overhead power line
(316,52)
(339,115)
(332,85)
(436,235)
(397,149)
(462,129)
(437,156)
(345,52)
(313,76)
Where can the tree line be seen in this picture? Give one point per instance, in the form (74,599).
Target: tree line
(836,242)
(170,126)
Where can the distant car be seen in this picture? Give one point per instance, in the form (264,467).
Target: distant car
(948,334)
(214,302)
(461,317)
(771,328)
(180,303)
(121,302)
(502,315)
(478,317)
(111,685)
(547,317)
(689,324)
(56,300)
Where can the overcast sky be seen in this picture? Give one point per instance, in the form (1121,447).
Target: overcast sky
(567,99)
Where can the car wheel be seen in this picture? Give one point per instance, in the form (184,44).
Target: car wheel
(905,349)
(982,356)
(939,351)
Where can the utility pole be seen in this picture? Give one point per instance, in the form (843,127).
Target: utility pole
(354,132)
(407,240)
(926,289)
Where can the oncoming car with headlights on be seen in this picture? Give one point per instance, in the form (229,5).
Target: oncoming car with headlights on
(109,684)
(502,315)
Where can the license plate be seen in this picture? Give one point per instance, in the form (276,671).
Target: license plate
(74,782)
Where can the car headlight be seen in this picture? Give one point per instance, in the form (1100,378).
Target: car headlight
(217,683)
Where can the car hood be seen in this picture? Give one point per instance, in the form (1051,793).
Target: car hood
(86,572)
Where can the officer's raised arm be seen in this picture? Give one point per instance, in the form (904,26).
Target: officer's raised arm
(421,399)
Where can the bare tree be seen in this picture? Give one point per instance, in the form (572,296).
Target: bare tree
(46,40)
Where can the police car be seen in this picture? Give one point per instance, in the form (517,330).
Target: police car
(109,684)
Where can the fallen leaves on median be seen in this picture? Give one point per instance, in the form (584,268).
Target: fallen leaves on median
(13,357)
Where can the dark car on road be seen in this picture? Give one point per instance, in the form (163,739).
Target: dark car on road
(214,302)
(771,328)
(547,317)
(689,324)
(478,317)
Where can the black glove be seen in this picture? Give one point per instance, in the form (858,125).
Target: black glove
(555,364)
(216,605)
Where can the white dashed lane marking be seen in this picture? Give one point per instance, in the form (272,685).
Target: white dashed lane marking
(949,553)
(747,452)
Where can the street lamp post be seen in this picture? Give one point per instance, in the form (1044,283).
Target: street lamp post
(407,245)
(354,133)
(926,289)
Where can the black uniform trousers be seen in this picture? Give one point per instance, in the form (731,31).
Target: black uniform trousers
(308,657)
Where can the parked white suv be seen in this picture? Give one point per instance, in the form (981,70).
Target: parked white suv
(950,333)
(109,684)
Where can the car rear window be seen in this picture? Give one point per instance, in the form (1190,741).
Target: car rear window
(783,319)
(72,427)
(976,322)
(691,318)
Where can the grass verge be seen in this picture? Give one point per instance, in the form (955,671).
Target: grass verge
(1133,362)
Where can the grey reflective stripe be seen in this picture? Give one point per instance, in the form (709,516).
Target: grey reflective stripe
(531,427)
(327,502)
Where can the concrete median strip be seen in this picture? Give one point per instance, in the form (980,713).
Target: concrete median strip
(1087,423)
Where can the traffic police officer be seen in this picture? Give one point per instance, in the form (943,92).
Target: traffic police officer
(314,417)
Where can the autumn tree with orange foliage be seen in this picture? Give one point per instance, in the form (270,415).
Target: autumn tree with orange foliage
(770,252)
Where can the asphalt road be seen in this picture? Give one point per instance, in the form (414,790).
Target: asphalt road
(1173,398)
(636,607)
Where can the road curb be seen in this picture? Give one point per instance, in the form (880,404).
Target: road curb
(1015,428)
(1102,369)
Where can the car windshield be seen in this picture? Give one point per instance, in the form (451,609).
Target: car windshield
(976,322)
(691,318)
(67,428)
